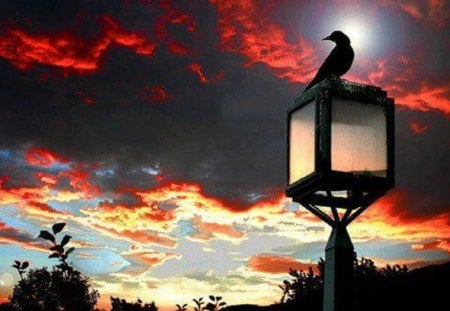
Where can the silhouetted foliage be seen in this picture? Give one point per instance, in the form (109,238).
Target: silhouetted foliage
(215,304)
(199,304)
(181,307)
(118,304)
(390,288)
(304,289)
(62,287)
(20,267)
(58,250)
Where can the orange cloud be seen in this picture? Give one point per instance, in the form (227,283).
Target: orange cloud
(277,264)
(389,218)
(149,258)
(207,230)
(66,50)
(135,236)
(245,28)
(47,178)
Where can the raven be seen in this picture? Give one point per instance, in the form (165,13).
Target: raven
(339,60)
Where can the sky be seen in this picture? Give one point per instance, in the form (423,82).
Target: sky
(156,131)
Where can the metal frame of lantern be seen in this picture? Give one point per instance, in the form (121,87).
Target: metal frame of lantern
(317,189)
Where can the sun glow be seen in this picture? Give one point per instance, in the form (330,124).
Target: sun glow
(358,29)
(358,32)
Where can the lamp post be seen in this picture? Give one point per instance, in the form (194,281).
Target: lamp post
(340,158)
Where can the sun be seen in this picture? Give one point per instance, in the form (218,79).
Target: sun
(358,32)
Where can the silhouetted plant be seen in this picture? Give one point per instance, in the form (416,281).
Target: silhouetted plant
(20,267)
(215,303)
(42,289)
(61,288)
(302,287)
(118,304)
(199,304)
(181,307)
(58,250)
(285,287)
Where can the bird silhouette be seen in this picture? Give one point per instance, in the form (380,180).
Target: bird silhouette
(339,60)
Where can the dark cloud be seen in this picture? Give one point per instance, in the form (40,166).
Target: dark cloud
(226,132)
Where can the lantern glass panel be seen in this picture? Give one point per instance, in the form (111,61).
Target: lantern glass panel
(358,138)
(302,142)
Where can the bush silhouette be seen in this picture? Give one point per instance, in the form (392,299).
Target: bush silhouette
(118,304)
(61,288)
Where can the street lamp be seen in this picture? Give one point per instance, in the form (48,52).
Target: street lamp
(340,151)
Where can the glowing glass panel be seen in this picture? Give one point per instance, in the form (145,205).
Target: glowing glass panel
(358,138)
(302,142)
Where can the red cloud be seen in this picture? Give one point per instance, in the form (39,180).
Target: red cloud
(440,244)
(277,264)
(67,50)
(198,70)
(434,12)
(401,77)
(416,127)
(79,180)
(157,94)
(245,28)
(43,157)
(47,178)
(173,16)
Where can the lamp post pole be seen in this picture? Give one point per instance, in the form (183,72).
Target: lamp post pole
(339,253)
(338,289)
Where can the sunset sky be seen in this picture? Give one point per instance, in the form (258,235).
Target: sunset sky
(156,131)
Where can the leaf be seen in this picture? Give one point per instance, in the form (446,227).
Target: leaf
(25,265)
(47,236)
(54,255)
(65,240)
(218,298)
(222,304)
(70,250)
(57,248)
(201,298)
(58,227)
(211,297)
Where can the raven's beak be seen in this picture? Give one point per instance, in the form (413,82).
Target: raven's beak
(327,38)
